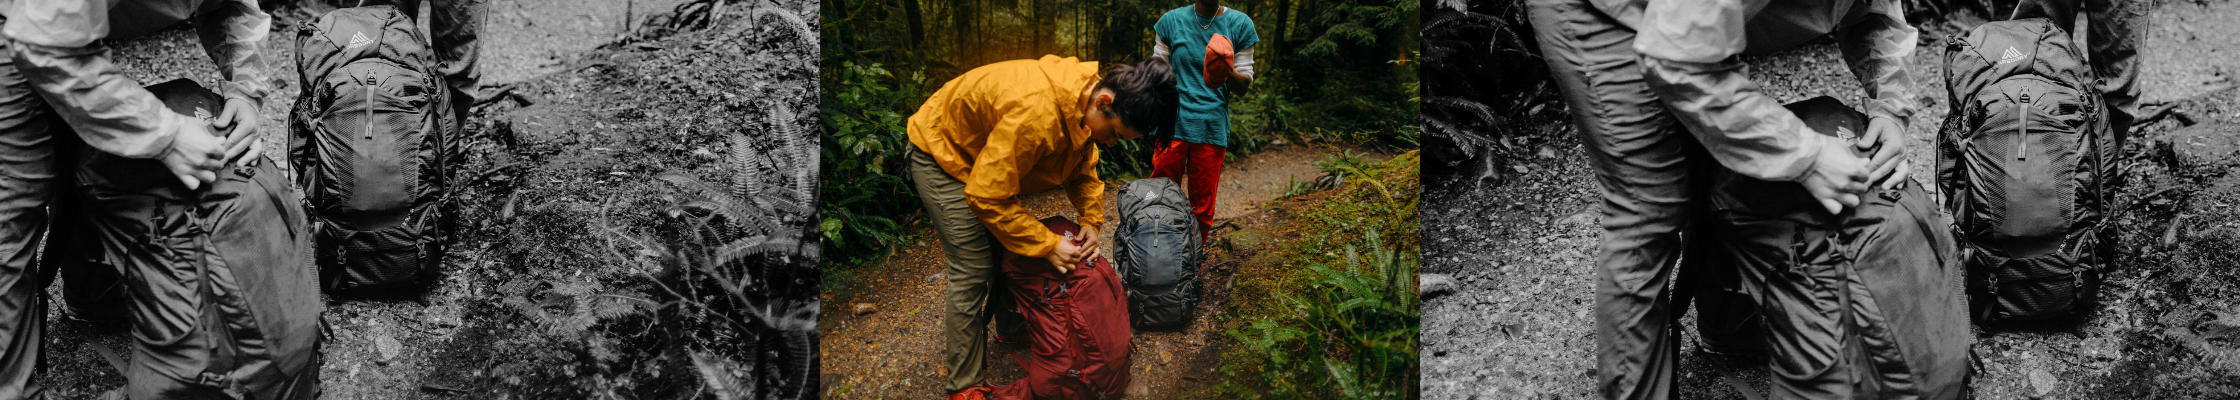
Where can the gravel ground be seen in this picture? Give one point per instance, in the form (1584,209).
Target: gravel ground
(895,351)
(1522,253)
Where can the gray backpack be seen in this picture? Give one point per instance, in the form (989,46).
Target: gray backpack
(2026,161)
(1158,253)
(372,138)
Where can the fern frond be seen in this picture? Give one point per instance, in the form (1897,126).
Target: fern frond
(722,376)
(758,245)
(718,199)
(802,159)
(747,169)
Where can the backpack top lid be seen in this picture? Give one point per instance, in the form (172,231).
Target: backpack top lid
(184,96)
(148,175)
(346,35)
(1141,193)
(1999,50)
(1738,192)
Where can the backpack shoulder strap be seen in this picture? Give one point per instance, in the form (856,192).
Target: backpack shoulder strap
(420,17)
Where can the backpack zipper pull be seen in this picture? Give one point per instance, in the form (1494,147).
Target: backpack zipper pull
(2021,151)
(371,84)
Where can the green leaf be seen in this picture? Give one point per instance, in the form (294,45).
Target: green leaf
(830,227)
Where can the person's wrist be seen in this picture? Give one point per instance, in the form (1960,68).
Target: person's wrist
(1816,148)
(1885,112)
(167,134)
(1872,118)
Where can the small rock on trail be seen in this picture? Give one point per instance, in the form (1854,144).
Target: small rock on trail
(1434,285)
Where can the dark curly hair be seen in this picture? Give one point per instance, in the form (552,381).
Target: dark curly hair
(1143,94)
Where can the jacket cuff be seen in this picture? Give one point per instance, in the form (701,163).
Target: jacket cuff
(252,91)
(1801,167)
(1893,108)
(167,132)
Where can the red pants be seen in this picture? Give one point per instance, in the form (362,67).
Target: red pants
(1199,162)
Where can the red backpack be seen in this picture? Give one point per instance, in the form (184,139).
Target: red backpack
(1077,324)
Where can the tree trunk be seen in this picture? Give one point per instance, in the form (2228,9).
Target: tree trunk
(960,19)
(1283,29)
(917,22)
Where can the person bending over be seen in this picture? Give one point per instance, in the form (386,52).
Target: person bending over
(1011,129)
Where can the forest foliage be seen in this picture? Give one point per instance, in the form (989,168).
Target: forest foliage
(1339,318)
(1322,66)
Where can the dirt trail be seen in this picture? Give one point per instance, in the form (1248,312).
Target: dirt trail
(1520,325)
(895,352)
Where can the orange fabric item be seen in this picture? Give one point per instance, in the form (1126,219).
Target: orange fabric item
(1014,128)
(1221,56)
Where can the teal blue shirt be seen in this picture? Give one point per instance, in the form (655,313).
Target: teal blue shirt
(1204,117)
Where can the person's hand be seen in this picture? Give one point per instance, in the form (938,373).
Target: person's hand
(195,156)
(1091,243)
(1838,178)
(1886,138)
(239,121)
(1067,255)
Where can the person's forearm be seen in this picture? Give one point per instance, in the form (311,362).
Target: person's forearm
(1877,51)
(1088,198)
(1747,131)
(1009,222)
(1240,77)
(110,111)
(231,35)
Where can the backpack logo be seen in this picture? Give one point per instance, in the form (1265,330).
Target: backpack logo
(359,39)
(2011,56)
(202,113)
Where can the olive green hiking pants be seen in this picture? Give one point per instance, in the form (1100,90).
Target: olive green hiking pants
(972,256)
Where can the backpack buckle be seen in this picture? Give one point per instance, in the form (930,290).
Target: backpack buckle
(209,379)
(221,382)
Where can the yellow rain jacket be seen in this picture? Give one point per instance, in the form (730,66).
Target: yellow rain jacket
(56,45)
(1014,128)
